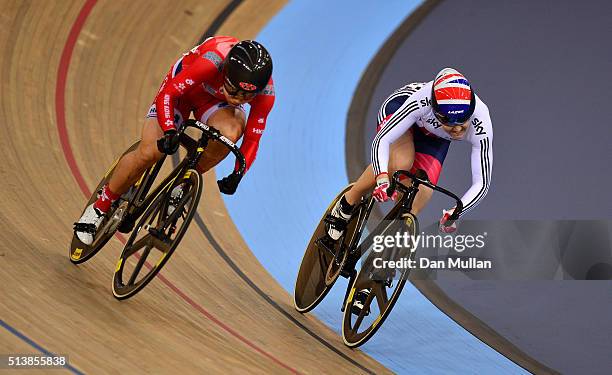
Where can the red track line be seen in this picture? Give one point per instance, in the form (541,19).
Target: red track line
(60,106)
(60,98)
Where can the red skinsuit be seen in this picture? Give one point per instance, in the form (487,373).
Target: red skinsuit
(194,83)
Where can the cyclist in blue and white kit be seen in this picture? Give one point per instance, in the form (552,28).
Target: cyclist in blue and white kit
(416,125)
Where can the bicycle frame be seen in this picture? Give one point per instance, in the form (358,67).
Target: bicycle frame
(403,205)
(195,149)
(420,178)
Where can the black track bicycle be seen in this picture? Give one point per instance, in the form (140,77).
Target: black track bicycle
(372,290)
(163,217)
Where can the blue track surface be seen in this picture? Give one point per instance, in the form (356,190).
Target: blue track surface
(320,49)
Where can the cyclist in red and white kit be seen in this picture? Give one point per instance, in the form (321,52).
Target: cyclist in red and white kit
(213,81)
(415,127)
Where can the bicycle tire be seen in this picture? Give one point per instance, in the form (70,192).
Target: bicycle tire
(354,340)
(122,291)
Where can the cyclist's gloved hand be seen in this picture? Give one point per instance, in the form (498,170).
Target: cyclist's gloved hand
(447,225)
(169,143)
(382,185)
(228,185)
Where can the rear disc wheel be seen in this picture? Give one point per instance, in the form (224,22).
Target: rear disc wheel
(80,252)
(322,262)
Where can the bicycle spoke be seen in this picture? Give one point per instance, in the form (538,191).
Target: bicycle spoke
(381,296)
(362,282)
(144,241)
(160,244)
(178,211)
(141,262)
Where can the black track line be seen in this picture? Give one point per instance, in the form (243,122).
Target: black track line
(212,29)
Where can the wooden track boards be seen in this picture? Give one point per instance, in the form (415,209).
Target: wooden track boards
(122,52)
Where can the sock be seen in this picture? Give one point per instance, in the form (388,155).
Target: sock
(106,199)
(345,207)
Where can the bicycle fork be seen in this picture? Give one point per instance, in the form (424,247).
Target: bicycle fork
(348,288)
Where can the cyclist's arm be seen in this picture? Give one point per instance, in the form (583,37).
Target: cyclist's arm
(203,69)
(396,125)
(260,108)
(482,166)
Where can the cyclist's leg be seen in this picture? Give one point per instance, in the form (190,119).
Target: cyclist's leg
(132,165)
(230,121)
(430,153)
(126,172)
(401,156)
(361,187)
(397,157)
(421,199)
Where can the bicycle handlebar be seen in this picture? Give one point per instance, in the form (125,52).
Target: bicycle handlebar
(211,133)
(395,184)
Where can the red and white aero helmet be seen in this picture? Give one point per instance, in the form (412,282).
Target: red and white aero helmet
(452,97)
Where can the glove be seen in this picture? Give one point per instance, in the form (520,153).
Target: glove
(382,185)
(446,225)
(228,185)
(169,143)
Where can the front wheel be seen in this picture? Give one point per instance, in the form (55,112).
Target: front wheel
(376,290)
(157,235)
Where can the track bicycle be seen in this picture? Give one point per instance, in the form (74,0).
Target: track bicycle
(162,218)
(372,290)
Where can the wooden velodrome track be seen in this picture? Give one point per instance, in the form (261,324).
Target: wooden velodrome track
(76,80)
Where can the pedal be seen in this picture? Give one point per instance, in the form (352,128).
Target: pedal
(385,278)
(358,303)
(388,283)
(346,273)
(127,224)
(348,270)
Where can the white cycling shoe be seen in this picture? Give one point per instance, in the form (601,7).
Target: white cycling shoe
(336,222)
(85,229)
